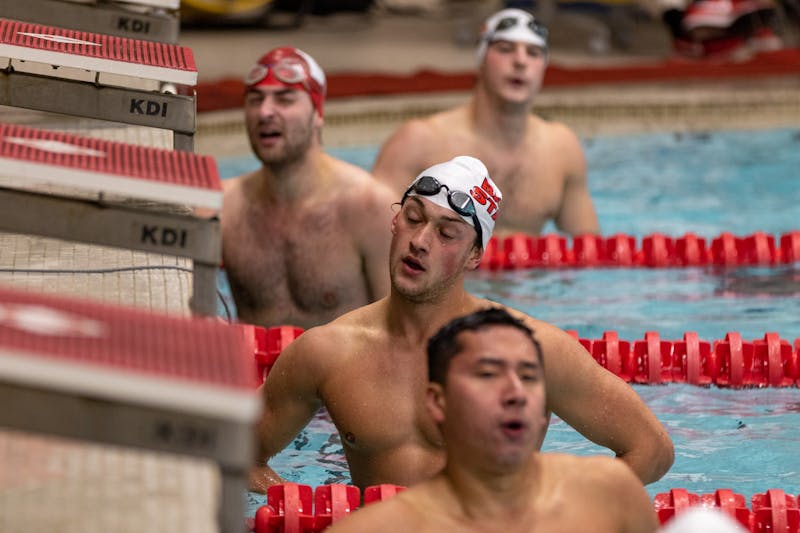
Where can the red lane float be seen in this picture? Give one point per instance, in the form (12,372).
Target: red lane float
(771,511)
(729,362)
(289,507)
(521,251)
(269,343)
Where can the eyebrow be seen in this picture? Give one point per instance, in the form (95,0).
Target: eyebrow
(496,361)
(455,217)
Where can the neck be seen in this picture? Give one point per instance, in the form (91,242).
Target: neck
(490,495)
(417,321)
(294,180)
(496,119)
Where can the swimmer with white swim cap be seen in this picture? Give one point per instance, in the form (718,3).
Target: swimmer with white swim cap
(541,161)
(511,25)
(367,366)
(463,185)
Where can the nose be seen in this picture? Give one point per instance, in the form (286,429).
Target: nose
(520,54)
(421,238)
(267,107)
(514,393)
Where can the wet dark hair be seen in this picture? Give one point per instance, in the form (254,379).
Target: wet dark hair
(444,344)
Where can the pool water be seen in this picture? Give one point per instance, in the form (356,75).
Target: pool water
(704,183)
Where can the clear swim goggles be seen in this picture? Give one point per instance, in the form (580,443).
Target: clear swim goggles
(534,25)
(288,70)
(459,201)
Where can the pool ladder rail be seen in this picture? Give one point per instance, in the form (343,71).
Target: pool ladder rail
(296,508)
(522,251)
(729,363)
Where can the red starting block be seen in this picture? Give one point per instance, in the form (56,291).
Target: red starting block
(36,158)
(61,47)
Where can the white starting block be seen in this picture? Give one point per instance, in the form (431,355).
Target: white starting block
(95,372)
(99,76)
(87,185)
(150,20)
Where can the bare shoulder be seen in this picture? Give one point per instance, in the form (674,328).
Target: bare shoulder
(360,196)
(596,472)
(555,132)
(394,514)
(413,146)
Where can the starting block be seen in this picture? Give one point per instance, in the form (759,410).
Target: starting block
(95,372)
(99,76)
(76,180)
(150,20)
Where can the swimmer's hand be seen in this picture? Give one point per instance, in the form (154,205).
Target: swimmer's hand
(261,478)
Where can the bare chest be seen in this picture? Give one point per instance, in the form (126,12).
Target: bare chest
(379,410)
(287,267)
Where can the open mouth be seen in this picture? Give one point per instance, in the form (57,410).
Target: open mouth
(513,428)
(269,134)
(413,264)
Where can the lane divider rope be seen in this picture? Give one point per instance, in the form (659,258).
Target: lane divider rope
(521,251)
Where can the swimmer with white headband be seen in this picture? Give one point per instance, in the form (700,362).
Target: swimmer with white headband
(513,25)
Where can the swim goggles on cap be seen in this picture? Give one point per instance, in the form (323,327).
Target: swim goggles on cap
(459,201)
(287,70)
(534,25)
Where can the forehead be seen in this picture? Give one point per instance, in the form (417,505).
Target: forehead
(506,43)
(266,90)
(499,341)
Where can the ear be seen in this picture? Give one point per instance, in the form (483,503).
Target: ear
(435,402)
(394,223)
(474,259)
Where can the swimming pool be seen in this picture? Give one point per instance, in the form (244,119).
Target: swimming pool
(705,183)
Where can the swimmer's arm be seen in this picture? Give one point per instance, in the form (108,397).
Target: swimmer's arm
(602,407)
(403,156)
(290,400)
(577,214)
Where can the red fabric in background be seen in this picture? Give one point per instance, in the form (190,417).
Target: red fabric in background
(227,94)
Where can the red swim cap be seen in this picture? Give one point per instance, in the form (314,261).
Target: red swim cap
(289,67)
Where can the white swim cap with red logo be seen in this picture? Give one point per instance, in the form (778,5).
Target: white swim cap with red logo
(469,175)
(289,67)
